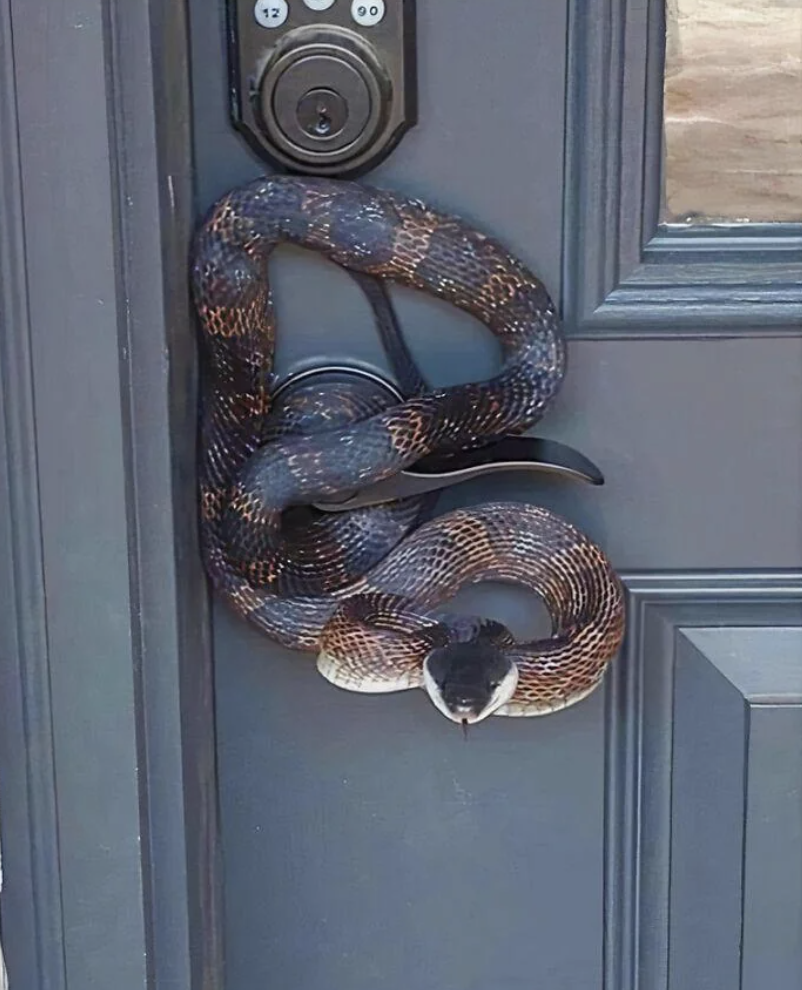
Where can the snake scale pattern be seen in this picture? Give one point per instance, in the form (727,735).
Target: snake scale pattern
(365,591)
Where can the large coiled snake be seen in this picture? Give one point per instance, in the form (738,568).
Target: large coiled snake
(364,590)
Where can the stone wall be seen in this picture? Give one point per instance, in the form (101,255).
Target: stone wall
(733,110)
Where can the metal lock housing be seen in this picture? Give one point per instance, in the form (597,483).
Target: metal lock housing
(324,98)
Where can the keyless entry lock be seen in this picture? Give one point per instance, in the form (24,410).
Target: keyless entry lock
(323,87)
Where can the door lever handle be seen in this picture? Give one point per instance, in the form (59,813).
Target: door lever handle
(438,471)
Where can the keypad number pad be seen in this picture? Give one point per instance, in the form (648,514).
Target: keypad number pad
(271,13)
(368,13)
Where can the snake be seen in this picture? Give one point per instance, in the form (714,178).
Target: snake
(366,592)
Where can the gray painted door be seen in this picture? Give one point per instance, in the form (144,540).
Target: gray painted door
(366,844)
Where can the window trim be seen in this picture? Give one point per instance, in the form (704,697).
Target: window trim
(625,274)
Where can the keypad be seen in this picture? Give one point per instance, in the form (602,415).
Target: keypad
(274,13)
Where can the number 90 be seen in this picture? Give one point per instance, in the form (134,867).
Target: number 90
(367,14)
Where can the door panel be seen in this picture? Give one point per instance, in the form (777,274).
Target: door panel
(367,844)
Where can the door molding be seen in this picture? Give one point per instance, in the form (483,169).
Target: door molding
(32,920)
(107,759)
(641,706)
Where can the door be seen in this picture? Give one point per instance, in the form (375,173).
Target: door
(645,839)
(366,844)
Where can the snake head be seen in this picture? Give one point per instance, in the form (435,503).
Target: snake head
(469,681)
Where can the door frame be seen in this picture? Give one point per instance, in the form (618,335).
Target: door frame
(107,757)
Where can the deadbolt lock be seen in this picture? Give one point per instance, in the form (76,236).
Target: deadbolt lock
(323,87)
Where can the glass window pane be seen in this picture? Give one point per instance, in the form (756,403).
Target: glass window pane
(733,111)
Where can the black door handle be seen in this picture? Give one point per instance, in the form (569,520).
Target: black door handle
(439,471)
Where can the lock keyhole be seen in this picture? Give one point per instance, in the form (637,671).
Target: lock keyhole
(322,113)
(323,125)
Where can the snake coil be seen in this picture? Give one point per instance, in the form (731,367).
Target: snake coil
(364,590)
